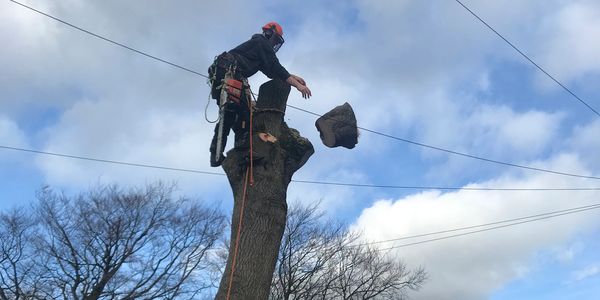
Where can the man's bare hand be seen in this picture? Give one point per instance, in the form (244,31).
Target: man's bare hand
(300,84)
(305,91)
(300,79)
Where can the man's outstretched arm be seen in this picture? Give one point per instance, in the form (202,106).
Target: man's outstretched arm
(300,85)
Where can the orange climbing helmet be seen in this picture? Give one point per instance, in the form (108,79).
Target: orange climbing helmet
(275,27)
(274,33)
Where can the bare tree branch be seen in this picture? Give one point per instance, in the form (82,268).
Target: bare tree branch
(316,261)
(17,280)
(108,244)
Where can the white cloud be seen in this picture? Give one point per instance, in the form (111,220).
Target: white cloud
(585,273)
(24,34)
(472,267)
(570,47)
(585,140)
(12,136)
(504,130)
(337,200)
(492,131)
(110,130)
(566,254)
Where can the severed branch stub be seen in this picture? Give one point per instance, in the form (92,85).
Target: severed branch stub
(275,160)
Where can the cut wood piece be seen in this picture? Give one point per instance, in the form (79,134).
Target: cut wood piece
(267,137)
(338,127)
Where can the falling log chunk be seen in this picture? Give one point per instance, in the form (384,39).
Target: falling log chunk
(338,127)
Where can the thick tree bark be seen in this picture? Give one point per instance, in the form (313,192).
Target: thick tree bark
(265,208)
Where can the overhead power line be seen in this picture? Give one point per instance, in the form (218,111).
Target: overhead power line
(575,209)
(316,114)
(527,58)
(456,152)
(109,161)
(414,187)
(346,184)
(593,207)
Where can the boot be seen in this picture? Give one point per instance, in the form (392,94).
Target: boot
(213,152)
(213,159)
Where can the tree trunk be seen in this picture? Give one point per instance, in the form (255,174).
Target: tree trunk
(265,208)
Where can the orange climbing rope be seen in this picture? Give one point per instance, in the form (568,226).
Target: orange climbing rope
(249,171)
(251,126)
(239,233)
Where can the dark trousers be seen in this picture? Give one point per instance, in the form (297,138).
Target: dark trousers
(237,116)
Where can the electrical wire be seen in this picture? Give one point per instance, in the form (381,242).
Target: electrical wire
(316,114)
(346,184)
(408,187)
(108,161)
(537,217)
(527,58)
(575,209)
(455,152)
(488,229)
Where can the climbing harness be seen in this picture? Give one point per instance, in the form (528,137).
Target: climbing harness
(231,90)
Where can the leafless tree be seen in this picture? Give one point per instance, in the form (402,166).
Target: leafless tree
(323,260)
(142,244)
(17,264)
(116,244)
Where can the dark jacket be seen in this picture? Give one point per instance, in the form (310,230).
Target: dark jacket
(257,54)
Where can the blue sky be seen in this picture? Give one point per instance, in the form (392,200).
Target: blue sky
(421,70)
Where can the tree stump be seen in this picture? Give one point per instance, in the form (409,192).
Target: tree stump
(265,211)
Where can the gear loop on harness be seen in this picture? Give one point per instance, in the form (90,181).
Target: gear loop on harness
(206,112)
